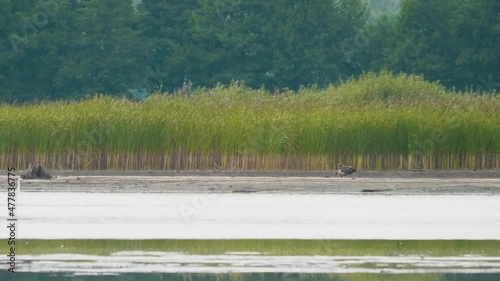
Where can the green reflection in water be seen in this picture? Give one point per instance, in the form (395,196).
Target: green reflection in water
(251,277)
(266,247)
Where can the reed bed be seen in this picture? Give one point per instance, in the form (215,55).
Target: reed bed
(377,122)
(428,248)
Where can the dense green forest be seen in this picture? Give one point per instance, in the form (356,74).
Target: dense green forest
(66,49)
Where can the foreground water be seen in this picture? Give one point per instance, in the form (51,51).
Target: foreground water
(250,277)
(57,216)
(254,216)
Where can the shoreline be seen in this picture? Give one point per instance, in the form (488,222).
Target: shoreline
(287,182)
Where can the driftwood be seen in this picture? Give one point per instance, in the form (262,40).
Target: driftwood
(36,172)
(375,190)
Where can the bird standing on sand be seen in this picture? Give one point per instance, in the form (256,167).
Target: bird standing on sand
(344,171)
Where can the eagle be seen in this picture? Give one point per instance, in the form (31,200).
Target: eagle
(344,170)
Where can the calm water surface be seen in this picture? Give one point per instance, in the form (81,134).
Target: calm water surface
(254,216)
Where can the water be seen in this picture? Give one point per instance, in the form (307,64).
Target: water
(145,216)
(255,216)
(250,277)
(163,262)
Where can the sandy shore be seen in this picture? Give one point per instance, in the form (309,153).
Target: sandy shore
(364,182)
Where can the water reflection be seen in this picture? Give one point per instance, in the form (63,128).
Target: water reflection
(248,277)
(169,262)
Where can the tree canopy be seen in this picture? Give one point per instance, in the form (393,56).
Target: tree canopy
(62,49)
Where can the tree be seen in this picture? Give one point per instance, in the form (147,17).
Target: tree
(65,49)
(281,43)
(425,45)
(477,29)
(103,51)
(17,29)
(380,41)
(455,42)
(166,28)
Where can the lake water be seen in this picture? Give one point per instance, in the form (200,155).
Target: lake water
(255,216)
(55,216)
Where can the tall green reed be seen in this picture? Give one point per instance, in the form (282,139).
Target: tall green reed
(378,121)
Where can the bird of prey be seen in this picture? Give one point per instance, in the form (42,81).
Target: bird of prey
(344,170)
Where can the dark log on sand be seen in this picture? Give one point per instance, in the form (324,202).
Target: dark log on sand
(375,190)
(36,172)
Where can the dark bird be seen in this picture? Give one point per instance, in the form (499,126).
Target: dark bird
(36,172)
(344,170)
